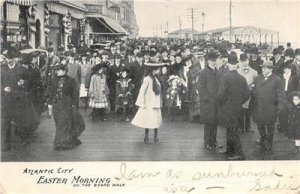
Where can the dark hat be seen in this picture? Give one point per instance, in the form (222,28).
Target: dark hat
(268,64)
(122,68)
(139,55)
(232,58)
(211,56)
(281,47)
(276,51)
(50,50)
(297,51)
(243,57)
(254,51)
(164,49)
(59,66)
(224,53)
(98,66)
(289,52)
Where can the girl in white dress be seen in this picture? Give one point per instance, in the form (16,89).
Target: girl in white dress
(149,102)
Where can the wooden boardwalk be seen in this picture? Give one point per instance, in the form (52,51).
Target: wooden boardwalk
(120,141)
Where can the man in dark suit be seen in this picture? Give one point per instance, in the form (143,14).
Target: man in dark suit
(112,77)
(15,103)
(233,92)
(268,101)
(278,62)
(208,87)
(136,74)
(255,61)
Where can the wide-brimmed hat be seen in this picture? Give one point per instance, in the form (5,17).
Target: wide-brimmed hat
(232,58)
(212,55)
(268,64)
(289,52)
(59,66)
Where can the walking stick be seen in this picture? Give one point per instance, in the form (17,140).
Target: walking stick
(86,102)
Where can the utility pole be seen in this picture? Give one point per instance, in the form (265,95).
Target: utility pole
(161,31)
(230,21)
(167,31)
(191,16)
(179,27)
(203,17)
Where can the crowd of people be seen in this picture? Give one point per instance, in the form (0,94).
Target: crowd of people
(148,81)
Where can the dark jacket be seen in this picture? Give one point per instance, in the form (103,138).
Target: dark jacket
(18,97)
(136,73)
(67,96)
(269,98)
(256,65)
(278,66)
(294,122)
(293,84)
(208,87)
(233,92)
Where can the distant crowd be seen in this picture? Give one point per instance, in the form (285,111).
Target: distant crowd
(108,79)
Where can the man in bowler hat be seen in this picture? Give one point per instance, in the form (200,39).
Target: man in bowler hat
(233,92)
(208,87)
(268,101)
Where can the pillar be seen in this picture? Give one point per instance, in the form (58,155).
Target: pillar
(266,36)
(272,40)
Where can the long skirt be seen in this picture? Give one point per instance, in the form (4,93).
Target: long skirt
(69,126)
(148,118)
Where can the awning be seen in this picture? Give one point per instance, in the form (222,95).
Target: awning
(21,2)
(113,26)
(117,27)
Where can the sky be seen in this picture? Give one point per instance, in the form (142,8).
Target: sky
(278,15)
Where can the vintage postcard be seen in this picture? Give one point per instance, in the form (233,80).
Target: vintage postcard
(150,96)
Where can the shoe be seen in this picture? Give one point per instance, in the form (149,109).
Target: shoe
(224,151)
(235,157)
(146,140)
(78,142)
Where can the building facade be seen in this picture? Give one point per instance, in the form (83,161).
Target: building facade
(37,23)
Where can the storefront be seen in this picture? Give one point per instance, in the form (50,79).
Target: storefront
(18,25)
(101,28)
(64,24)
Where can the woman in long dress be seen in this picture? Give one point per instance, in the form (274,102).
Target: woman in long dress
(61,97)
(149,100)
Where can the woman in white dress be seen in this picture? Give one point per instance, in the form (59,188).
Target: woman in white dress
(149,99)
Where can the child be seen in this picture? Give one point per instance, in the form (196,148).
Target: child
(98,93)
(174,96)
(149,102)
(294,120)
(164,87)
(123,94)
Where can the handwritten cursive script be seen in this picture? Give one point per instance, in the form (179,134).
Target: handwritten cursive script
(134,174)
